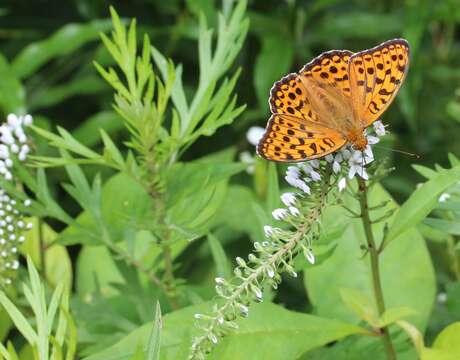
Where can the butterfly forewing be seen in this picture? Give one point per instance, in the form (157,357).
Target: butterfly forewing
(292,101)
(376,75)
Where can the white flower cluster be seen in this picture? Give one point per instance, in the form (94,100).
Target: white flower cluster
(346,158)
(13,147)
(13,143)
(347,161)
(12,229)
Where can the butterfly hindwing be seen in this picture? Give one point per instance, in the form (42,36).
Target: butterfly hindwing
(292,139)
(376,75)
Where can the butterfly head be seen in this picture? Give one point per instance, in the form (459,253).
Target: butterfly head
(358,140)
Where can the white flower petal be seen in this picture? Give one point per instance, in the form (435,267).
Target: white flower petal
(254,134)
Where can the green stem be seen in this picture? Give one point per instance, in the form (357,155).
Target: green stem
(42,245)
(374,259)
(452,251)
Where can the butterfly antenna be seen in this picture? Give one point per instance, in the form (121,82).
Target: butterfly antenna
(417,156)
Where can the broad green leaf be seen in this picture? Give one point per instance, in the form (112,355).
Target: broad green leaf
(446,226)
(259,337)
(449,339)
(360,304)
(421,202)
(64,41)
(154,344)
(393,314)
(406,270)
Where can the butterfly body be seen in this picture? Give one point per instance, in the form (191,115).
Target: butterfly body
(331,101)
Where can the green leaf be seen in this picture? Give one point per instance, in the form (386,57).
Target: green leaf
(12,94)
(259,337)
(267,70)
(81,85)
(446,345)
(18,319)
(421,202)
(64,41)
(414,334)
(88,132)
(273,189)
(359,302)
(223,266)
(58,263)
(446,226)
(393,314)
(4,352)
(153,348)
(406,270)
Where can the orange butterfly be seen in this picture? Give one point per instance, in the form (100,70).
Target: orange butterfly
(331,101)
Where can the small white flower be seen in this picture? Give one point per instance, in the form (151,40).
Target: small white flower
(14,148)
(371,140)
(220,280)
(13,120)
(329,158)
(27,120)
(279,214)
(310,256)
(245,158)
(345,153)
(29,226)
(444,197)
(270,272)
(293,172)
(379,128)
(315,176)
(357,163)
(4,151)
(15,265)
(294,211)
(27,202)
(254,134)
(336,167)
(268,230)
(240,261)
(441,297)
(314,163)
(299,184)
(342,184)
(288,198)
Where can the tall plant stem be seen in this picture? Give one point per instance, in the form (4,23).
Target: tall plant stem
(42,246)
(374,259)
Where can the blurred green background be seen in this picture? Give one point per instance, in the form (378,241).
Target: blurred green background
(47,51)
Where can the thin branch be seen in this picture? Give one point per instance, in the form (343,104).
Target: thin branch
(374,259)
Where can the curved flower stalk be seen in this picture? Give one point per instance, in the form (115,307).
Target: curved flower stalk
(315,183)
(13,225)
